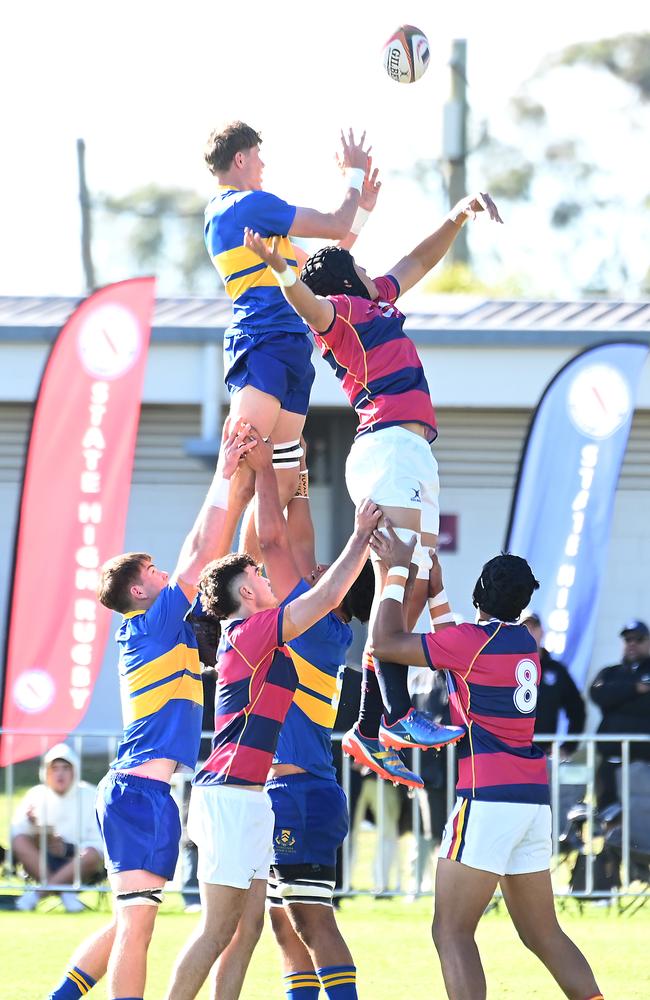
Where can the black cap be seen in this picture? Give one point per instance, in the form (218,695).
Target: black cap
(637,627)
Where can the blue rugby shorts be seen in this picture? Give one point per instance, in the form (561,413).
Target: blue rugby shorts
(311,820)
(278,364)
(140,824)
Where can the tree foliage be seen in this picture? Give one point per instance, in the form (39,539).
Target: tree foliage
(162,230)
(564,163)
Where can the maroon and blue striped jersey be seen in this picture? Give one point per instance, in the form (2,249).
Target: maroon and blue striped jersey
(493,671)
(376,362)
(257,680)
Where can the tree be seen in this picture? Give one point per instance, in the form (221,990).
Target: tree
(162,231)
(568,162)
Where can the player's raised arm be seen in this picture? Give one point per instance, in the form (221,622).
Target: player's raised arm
(389,637)
(200,544)
(367,201)
(270,524)
(410,269)
(300,525)
(316,311)
(332,587)
(336,225)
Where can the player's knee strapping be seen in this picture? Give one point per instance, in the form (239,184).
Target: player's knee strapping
(316,888)
(287,455)
(140,897)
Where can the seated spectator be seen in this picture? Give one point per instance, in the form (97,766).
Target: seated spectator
(62,810)
(556,693)
(622,693)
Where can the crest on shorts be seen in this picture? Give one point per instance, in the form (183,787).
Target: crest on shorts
(285,839)
(416,498)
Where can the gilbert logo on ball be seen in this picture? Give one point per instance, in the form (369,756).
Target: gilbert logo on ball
(406,54)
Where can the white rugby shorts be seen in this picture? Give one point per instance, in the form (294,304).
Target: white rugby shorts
(396,468)
(233,831)
(507,838)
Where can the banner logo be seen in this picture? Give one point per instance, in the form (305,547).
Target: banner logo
(109,342)
(599,401)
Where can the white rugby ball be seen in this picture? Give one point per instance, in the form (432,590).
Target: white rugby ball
(406,54)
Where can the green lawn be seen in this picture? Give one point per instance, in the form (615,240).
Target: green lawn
(389,938)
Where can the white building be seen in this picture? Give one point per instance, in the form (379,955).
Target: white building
(487,364)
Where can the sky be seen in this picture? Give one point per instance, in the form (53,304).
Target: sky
(143,83)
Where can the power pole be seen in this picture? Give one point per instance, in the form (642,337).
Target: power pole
(454,140)
(86,231)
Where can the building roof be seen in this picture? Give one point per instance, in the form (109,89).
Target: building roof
(445,319)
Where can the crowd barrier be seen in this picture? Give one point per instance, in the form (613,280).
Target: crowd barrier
(571,781)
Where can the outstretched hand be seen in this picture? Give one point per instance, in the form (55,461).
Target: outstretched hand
(475,203)
(371,188)
(352,152)
(390,548)
(269,254)
(237,441)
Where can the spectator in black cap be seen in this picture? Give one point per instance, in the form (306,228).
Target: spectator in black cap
(556,693)
(622,693)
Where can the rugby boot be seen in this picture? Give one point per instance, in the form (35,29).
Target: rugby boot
(386,763)
(417,730)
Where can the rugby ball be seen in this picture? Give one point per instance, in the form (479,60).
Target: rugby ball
(406,54)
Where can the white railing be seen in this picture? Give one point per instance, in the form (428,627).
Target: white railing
(99,748)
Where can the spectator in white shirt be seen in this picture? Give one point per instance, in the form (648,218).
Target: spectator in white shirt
(62,811)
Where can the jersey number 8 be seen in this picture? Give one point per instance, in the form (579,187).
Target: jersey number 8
(525,694)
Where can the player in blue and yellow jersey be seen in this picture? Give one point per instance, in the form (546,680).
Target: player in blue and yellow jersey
(162,702)
(267,349)
(499,832)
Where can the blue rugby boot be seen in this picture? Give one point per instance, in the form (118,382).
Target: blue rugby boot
(386,763)
(417,730)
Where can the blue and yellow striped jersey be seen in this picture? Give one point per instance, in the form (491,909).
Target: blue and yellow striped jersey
(259,306)
(319,658)
(160,684)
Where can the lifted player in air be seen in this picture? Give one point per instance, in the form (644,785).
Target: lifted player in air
(231,817)
(360,334)
(310,807)
(499,831)
(267,349)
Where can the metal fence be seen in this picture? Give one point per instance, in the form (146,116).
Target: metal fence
(571,781)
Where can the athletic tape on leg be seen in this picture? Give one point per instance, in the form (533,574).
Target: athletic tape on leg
(140,897)
(287,455)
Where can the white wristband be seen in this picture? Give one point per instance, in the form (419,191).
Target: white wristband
(354,178)
(287,278)
(360,220)
(398,571)
(438,600)
(393,592)
(443,619)
(217,495)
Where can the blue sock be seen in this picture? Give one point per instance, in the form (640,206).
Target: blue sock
(339,981)
(301,986)
(76,983)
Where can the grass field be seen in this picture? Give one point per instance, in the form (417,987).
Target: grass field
(389,938)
